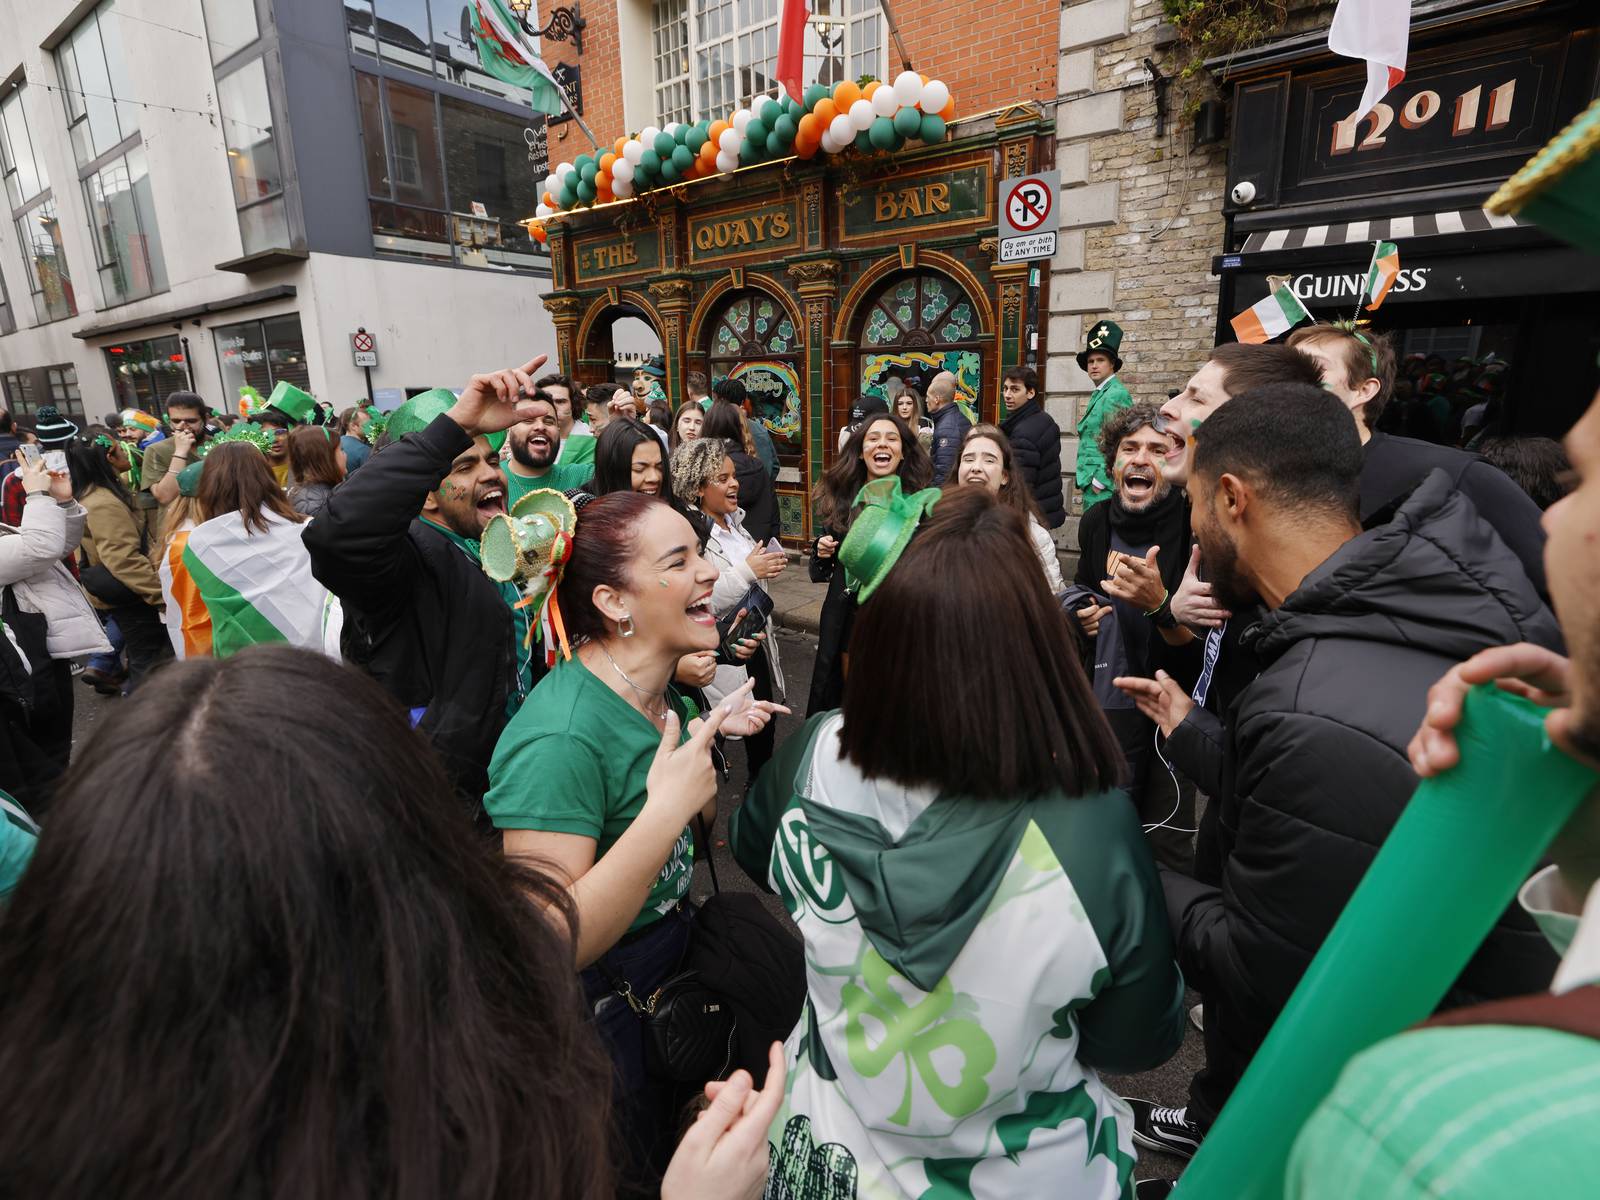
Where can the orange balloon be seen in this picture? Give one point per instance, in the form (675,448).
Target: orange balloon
(806,149)
(846,94)
(602,181)
(825,111)
(718,128)
(924,79)
(808,129)
(606,162)
(948,112)
(872,86)
(708,154)
(549,202)
(619,144)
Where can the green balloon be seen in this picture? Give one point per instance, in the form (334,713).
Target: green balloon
(908,122)
(784,129)
(568,196)
(670,172)
(650,163)
(747,150)
(694,139)
(681,132)
(775,144)
(863,142)
(757,131)
(899,142)
(881,133)
(682,158)
(664,144)
(588,171)
(580,162)
(814,93)
(771,110)
(932,128)
(586,191)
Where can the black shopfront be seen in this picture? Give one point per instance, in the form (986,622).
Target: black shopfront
(1485,308)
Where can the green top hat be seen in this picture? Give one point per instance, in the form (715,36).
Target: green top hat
(1559,187)
(1105,337)
(881,532)
(298,406)
(531,543)
(419,412)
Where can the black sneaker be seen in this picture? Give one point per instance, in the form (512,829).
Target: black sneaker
(1165,1129)
(1152,1189)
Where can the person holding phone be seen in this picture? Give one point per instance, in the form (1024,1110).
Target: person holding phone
(703,472)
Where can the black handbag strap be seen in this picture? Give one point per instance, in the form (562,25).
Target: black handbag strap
(711,858)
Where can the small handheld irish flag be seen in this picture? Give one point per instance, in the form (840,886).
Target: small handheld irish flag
(1382,273)
(1278,313)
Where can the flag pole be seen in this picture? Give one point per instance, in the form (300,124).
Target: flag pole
(1361,292)
(894,32)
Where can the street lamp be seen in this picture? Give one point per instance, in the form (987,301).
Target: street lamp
(566,24)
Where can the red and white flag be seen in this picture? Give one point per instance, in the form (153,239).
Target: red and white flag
(792,46)
(1378,31)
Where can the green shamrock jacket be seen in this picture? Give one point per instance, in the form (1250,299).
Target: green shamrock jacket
(970,964)
(1092,466)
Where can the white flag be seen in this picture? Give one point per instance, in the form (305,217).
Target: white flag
(1376,30)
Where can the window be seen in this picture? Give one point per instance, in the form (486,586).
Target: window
(253,157)
(230,26)
(64,392)
(144,373)
(110,156)
(34,212)
(459,197)
(917,326)
(734,47)
(261,354)
(8,323)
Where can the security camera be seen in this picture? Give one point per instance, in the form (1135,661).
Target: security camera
(1243,192)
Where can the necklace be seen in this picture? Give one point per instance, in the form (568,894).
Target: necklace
(645,695)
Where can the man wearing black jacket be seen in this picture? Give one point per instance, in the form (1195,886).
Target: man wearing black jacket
(1036,442)
(1312,770)
(397,544)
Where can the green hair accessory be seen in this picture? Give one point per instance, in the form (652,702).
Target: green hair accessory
(249,433)
(881,532)
(375,428)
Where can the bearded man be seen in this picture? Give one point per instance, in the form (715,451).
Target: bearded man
(535,446)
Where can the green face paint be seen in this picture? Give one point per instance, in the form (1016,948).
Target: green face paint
(1122,461)
(1193,424)
(449,490)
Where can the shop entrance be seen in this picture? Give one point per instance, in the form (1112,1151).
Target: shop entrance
(621,339)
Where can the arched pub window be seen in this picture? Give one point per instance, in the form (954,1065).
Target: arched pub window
(916,326)
(754,341)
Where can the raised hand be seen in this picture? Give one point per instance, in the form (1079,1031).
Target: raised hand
(496,401)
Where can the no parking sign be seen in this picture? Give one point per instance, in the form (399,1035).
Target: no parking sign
(1028,216)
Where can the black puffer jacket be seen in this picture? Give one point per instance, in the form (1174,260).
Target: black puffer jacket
(1036,442)
(420,616)
(1316,774)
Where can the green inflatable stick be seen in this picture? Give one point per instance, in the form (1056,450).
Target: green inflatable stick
(1448,869)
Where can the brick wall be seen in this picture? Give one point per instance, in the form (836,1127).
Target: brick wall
(602,78)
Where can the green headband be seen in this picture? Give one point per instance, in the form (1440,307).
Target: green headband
(1372,351)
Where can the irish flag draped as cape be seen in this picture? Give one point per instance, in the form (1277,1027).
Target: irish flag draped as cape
(258,587)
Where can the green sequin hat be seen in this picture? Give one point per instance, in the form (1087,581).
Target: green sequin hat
(1105,337)
(529,546)
(419,412)
(1559,187)
(881,532)
(298,406)
(245,432)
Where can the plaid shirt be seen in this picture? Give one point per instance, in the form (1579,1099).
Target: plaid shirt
(13,496)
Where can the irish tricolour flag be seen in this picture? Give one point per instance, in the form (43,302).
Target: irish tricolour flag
(1376,30)
(257,585)
(1265,320)
(1382,273)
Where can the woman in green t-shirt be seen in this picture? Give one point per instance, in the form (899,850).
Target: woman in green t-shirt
(585,779)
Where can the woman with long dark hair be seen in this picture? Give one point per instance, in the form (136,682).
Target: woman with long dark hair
(320,984)
(881,446)
(986,900)
(725,420)
(602,770)
(316,464)
(628,458)
(985,460)
(115,564)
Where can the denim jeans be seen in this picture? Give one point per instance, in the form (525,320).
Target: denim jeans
(109,664)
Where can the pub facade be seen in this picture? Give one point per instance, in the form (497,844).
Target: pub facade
(813,283)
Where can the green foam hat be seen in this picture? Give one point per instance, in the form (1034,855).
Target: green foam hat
(1105,337)
(881,532)
(189,479)
(298,406)
(497,439)
(1559,187)
(419,412)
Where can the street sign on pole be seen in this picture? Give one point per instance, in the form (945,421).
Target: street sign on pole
(364,349)
(1028,216)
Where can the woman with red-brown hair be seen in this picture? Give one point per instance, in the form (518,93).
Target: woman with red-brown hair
(317,465)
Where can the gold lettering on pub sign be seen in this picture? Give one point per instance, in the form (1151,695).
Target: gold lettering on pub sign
(925,200)
(603,258)
(717,236)
(609,258)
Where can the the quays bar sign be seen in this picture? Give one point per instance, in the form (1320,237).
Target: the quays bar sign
(611,255)
(769,229)
(917,200)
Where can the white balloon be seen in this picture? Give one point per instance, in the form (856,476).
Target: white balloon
(883,101)
(727,163)
(829,146)
(935,95)
(621,188)
(563,170)
(647,136)
(631,150)
(843,131)
(908,88)
(740,119)
(728,143)
(622,171)
(671,129)
(543,211)
(551,183)
(861,115)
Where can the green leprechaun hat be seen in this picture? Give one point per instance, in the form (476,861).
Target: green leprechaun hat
(298,406)
(419,412)
(881,532)
(1106,338)
(1559,187)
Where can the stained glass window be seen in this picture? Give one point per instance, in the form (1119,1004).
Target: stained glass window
(920,310)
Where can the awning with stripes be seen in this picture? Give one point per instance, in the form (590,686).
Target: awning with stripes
(1387,229)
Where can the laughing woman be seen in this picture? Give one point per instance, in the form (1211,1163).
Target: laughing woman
(986,461)
(882,445)
(589,779)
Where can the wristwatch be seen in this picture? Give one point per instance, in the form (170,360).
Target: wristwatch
(1163,616)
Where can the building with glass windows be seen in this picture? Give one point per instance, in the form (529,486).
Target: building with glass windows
(210,194)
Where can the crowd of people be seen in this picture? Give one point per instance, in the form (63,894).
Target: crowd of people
(488,654)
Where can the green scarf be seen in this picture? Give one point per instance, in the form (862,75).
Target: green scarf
(521,618)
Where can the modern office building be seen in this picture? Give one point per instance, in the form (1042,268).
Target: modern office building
(209,194)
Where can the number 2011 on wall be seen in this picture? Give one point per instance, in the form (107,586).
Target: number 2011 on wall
(1421,109)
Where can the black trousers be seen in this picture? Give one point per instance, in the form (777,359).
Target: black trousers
(1163,798)
(758,749)
(145,636)
(51,721)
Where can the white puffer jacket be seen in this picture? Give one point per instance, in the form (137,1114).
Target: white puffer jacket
(30,564)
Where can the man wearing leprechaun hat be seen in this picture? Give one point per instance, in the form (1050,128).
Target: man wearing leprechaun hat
(286,407)
(1100,359)
(398,544)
